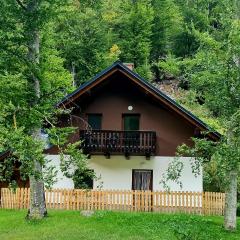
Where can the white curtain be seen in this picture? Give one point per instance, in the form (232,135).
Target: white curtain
(142,179)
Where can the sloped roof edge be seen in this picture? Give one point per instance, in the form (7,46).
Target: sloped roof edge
(4,154)
(120,65)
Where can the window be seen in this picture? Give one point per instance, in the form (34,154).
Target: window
(95,121)
(83,179)
(142,179)
(131,121)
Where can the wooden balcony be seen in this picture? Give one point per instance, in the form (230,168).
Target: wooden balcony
(109,142)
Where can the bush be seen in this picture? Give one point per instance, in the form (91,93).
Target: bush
(83,179)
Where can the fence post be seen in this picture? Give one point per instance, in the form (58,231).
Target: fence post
(203,203)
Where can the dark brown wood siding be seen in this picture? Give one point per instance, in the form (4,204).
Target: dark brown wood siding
(112,99)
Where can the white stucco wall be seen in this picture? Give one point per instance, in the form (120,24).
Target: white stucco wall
(62,181)
(116,172)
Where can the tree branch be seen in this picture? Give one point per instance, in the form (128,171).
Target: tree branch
(21,5)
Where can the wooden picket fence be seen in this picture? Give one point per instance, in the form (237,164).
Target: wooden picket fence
(207,203)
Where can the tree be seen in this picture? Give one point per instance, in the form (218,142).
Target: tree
(31,71)
(167,25)
(134,30)
(203,15)
(82,39)
(214,74)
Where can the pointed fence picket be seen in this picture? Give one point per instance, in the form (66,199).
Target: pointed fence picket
(207,203)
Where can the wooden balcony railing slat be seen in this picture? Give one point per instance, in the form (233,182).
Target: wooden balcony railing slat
(127,142)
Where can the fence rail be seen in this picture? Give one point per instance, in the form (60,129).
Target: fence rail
(207,203)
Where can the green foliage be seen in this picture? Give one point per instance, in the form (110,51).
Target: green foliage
(23,114)
(84,32)
(167,26)
(173,173)
(72,158)
(134,32)
(81,37)
(24,148)
(169,65)
(190,100)
(212,177)
(238,209)
(59,136)
(213,75)
(195,41)
(56,80)
(83,179)
(191,228)
(145,71)
(61,225)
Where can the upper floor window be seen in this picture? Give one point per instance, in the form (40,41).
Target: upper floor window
(131,122)
(95,121)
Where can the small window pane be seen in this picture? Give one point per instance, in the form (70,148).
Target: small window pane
(95,121)
(131,122)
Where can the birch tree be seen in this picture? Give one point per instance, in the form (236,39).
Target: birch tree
(32,80)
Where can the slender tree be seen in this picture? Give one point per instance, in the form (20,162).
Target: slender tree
(32,72)
(214,74)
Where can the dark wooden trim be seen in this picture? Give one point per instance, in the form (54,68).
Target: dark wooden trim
(4,155)
(93,84)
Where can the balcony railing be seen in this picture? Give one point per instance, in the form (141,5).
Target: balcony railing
(119,142)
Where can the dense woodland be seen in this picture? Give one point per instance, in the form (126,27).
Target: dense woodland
(49,47)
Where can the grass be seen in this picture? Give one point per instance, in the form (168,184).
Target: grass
(71,225)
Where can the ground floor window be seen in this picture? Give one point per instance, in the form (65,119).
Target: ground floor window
(142,179)
(83,179)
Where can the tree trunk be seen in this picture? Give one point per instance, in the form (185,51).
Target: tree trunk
(230,216)
(231,202)
(37,209)
(73,72)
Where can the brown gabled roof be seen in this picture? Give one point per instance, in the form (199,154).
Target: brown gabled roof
(156,93)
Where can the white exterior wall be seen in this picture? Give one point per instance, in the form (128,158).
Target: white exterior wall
(62,181)
(116,172)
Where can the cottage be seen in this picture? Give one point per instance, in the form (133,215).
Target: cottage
(130,130)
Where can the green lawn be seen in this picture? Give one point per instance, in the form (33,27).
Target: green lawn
(71,225)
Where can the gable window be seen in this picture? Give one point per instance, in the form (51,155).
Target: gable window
(95,121)
(131,122)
